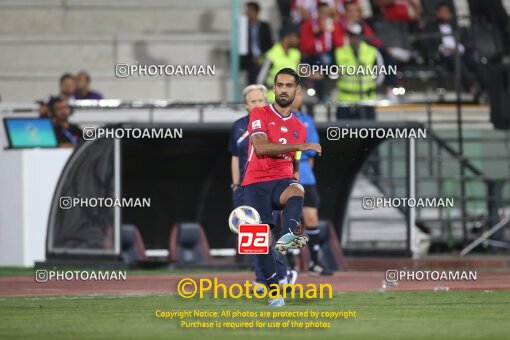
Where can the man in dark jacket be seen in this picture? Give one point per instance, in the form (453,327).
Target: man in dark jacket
(443,46)
(259,41)
(67,133)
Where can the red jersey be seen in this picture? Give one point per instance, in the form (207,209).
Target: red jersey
(399,11)
(316,44)
(278,129)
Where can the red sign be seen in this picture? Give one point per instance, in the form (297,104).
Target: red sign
(253,239)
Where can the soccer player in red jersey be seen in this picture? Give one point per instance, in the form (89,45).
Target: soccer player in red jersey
(277,138)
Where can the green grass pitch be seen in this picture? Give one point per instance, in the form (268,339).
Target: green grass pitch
(388,315)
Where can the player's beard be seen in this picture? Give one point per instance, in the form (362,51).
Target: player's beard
(285,101)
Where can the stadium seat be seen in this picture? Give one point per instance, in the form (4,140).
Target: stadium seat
(486,42)
(403,47)
(392,34)
(133,247)
(188,244)
(331,254)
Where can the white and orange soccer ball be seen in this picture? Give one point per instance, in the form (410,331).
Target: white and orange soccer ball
(242,215)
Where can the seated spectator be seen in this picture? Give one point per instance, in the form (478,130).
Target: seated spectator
(399,10)
(341,10)
(44,111)
(353,15)
(67,134)
(83,90)
(358,91)
(302,10)
(318,39)
(281,55)
(444,47)
(67,86)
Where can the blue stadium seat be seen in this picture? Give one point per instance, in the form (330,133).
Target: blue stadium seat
(188,244)
(132,245)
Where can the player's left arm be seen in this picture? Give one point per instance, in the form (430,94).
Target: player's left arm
(312,136)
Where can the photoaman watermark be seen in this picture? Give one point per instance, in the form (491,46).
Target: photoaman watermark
(189,288)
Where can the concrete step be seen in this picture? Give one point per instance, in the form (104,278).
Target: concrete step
(471,262)
(73,52)
(40,60)
(381,224)
(194,89)
(114,16)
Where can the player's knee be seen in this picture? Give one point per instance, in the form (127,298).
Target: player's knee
(297,190)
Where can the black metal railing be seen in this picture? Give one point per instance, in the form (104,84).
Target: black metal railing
(437,175)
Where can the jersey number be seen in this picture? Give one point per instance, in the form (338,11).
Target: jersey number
(283,140)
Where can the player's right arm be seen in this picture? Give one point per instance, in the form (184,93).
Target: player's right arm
(312,136)
(263,147)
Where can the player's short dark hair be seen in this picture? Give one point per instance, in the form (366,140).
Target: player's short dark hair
(65,76)
(288,71)
(254,5)
(53,101)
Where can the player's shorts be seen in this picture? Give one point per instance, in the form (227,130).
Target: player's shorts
(238,197)
(265,197)
(312,198)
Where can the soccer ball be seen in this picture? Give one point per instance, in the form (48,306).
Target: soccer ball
(242,215)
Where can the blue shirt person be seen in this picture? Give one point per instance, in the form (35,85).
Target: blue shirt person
(306,175)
